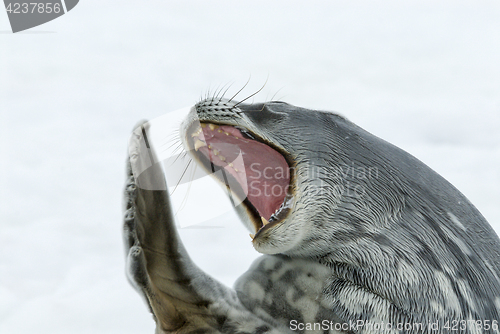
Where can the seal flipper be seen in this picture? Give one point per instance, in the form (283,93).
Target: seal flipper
(182,298)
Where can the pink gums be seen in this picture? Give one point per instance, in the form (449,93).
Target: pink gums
(261,171)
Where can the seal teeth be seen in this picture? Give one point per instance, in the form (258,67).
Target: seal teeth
(197,132)
(264,221)
(212,126)
(203,125)
(198,144)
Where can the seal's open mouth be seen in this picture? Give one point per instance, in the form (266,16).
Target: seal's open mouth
(257,173)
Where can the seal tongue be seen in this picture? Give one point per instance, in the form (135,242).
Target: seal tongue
(261,171)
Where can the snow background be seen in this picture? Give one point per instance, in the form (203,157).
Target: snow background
(423,75)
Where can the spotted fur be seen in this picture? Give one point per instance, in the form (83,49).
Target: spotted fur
(375,236)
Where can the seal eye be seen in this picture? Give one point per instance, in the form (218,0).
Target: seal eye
(261,173)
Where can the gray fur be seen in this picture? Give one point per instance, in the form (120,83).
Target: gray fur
(374,235)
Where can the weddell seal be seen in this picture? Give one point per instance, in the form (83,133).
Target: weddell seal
(360,236)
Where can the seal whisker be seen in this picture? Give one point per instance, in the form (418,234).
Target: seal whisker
(171,143)
(184,200)
(178,156)
(219,98)
(207,95)
(224,94)
(258,91)
(179,149)
(240,89)
(182,176)
(214,96)
(272,98)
